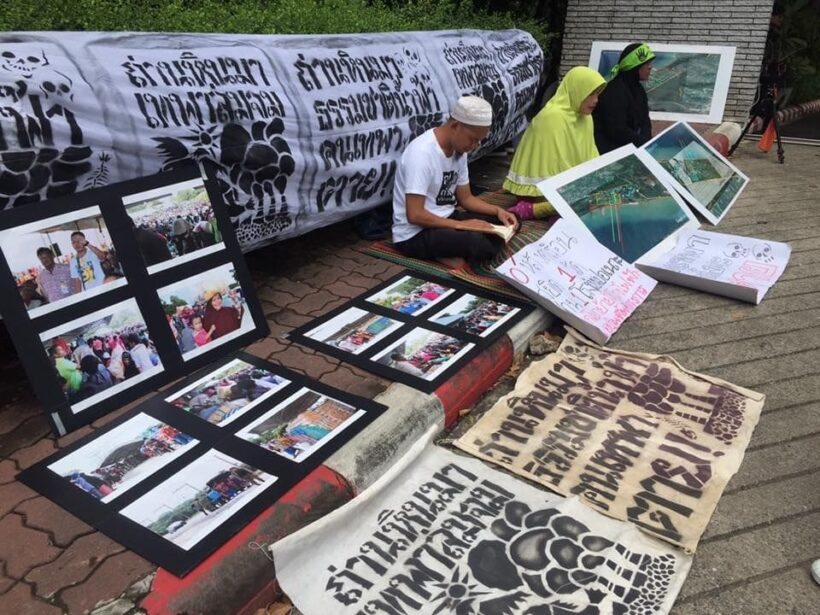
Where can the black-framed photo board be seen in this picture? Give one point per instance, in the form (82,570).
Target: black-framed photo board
(180,474)
(413,328)
(114,291)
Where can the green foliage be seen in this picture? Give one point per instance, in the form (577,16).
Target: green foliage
(268,17)
(797,43)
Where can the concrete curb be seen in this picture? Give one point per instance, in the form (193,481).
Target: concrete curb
(236,579)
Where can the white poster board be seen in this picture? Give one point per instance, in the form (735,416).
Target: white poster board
(623,200)
(742,268)
(688,82)
(573,276)
(442,533)
(707,180)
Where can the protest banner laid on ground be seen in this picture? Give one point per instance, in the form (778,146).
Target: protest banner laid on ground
(623,201)
(103,307)
(742,268)
(177,476)
(635,436)
(687,83)
(441,533)
(415,329)
(303,131)
(707,180)
(576,278)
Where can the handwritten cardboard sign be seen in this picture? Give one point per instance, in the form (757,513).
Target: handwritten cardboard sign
(579,280)
(743,268)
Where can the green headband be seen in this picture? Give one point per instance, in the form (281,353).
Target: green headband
(636,57)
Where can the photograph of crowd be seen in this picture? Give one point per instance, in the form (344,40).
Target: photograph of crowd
(61,260)
(111,464)
(173,224)
(410,295)
(206,310)
(300,425)
(354,330)
(475,315)
(102,353)
(423,353)
(228,392)
(199,498)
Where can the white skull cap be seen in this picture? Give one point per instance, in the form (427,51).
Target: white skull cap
(473,111)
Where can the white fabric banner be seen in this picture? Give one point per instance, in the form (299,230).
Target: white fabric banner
(441,533)
(576,278)
(306,130)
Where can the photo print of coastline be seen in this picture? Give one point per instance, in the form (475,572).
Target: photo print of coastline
(118,459)
(475,315)
(173,224)
(410,295)
(423,353)
(300,425)
(198,499)
(687,82)
(703,177)
(102,353)
(354,330)
(228,392)
(620,198)
(61,260)
(206,310)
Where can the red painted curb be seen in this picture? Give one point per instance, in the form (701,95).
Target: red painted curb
(463,390)
(217,585)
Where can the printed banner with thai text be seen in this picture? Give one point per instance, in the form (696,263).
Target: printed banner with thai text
(441,533)
(305,130)
(635,436)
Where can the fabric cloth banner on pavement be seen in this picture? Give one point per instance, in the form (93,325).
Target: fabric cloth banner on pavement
(636,436)
(305,130)
(441,533)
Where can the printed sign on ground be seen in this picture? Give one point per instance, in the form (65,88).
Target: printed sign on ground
(703,177)
(743,268)
(623,200)
(576,278)
(441,533)
(636,436)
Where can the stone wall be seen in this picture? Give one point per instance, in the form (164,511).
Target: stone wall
(739,23)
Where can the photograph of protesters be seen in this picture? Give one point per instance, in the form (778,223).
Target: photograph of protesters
(61,260)
(173,224)
(423,353)
(354,330)
(101,353)
(411,295)
(199,498)
(228,392)
(205,310)
(120,458)
(300,425)
(475,315)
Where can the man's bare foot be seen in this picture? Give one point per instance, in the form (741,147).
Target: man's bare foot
(453,262)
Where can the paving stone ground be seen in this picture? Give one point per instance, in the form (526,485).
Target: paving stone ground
(754,558)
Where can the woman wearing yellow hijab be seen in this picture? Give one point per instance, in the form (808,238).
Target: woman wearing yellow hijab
(560,137)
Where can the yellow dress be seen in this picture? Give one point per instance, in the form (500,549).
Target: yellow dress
(558,138)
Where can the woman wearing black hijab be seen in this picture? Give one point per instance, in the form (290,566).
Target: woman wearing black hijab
(622,114)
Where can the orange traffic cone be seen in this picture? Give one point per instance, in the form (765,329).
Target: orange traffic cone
(767,140)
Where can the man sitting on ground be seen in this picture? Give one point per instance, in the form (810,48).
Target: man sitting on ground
(432,179)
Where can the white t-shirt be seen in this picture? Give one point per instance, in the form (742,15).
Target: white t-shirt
(425,169)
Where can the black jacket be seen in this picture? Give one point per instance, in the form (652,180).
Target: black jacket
(622,114)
